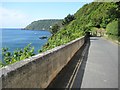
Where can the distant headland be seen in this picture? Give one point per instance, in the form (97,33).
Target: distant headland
(42,24)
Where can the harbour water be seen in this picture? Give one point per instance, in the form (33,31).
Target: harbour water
(17,38)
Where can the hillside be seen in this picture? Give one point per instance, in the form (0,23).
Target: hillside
(92,15)
(42,24)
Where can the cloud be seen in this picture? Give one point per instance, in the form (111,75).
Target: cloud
(13,18)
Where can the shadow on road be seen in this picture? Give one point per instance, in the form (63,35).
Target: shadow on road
(80,74)
(64,76)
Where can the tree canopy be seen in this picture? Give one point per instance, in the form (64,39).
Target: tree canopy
(95,14)
(43,24)
(55,28)
(68,19)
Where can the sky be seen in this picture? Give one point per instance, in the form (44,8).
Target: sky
(20,14)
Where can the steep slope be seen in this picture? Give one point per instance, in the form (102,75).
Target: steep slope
(42,24)
(95,14)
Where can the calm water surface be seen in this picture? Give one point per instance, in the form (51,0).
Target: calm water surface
(17,38)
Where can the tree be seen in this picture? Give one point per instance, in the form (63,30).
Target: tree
(55,28)
(68,19)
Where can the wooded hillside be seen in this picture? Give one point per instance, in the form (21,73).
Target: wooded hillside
(92,15)
(42,24)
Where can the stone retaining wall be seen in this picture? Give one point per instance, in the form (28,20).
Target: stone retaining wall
(39,70)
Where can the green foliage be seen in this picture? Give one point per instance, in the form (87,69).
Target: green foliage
(112,28)
(114,37)
(17,55)
(61,37)
(90,17)
(113,31)
(94,31)
(95,14)
(43,24)
(55,28)
(68,19)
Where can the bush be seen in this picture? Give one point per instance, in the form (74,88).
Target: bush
(112,28)
(17,55)
(55,28)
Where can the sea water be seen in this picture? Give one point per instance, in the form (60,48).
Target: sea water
(18,38)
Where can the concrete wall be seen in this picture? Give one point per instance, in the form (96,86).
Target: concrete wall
(39,70)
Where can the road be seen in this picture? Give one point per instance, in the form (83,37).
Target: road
(101,67)
(98,67)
